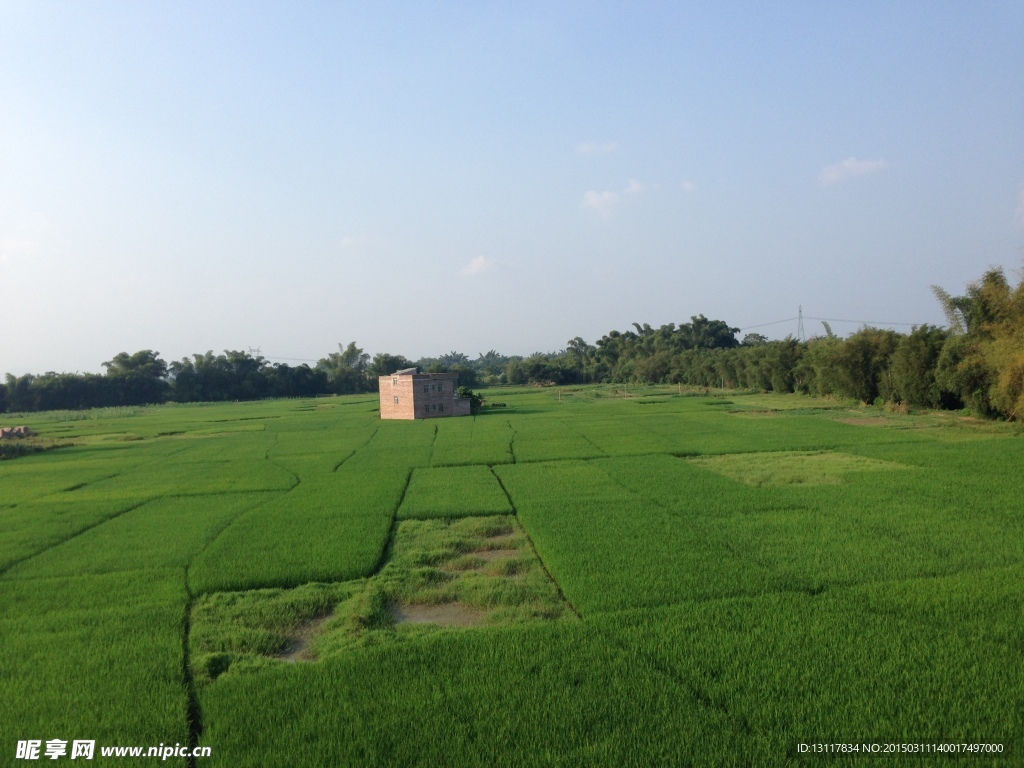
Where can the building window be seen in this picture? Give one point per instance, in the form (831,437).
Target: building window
(394,381)
(396,399)
(426,388)
(440,387)
(440,408)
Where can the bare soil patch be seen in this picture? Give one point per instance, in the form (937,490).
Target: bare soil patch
(502,538)
(497,554)
(446,614)
(299,642)
(441,574)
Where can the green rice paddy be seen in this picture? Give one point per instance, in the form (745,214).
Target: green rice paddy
(601,578)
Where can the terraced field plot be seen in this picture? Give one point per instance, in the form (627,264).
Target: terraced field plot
(454,492)
(439,573)
(577,580)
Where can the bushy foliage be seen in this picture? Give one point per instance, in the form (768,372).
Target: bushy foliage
(913,368)
(346,370)
(474,399)
(983,364)
(978,362)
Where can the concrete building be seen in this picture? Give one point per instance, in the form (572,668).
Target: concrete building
(406,394)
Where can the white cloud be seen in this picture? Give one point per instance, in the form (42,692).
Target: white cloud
(635,187)
(688,186)
(1020,206)
(477,266)
(602,202)
(847,169)
(597,147)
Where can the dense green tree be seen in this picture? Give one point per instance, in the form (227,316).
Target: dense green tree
(701,333)
(143,363)
(515,372)
(862,361)
(983,363)
(299,381)
(816,372)
(58,391)
(780,363)
(654,368)
(346,370)
(491,364)
(385,364)
(475,400)
(987,301)
(913,367)
(138,378)
(234,375)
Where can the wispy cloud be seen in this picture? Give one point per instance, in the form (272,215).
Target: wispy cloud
(688,186)
(635,187)
(847,169)
(597,147)
(602,202)
(478,265)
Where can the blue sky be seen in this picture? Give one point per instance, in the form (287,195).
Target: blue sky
(424,177)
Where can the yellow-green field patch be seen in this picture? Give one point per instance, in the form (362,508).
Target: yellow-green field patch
(787,402)
(791,467)
(944,426)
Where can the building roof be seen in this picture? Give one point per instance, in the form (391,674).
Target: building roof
(414,373)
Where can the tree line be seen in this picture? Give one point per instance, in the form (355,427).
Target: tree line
(977,361)
(144,378)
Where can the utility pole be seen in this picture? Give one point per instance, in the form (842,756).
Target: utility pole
(800,323)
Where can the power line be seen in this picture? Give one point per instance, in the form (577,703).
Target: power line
(801,317)
(863,322)
(774,322)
